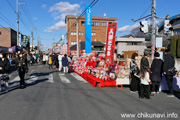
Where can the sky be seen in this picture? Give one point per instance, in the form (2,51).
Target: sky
(47,17)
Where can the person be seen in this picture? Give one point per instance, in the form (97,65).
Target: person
(47,58)
(22,69)
(65,63)
(134,72)
(60,61)
(56,62)
(145,78)
(44,59)
(69,59)
(157,70)
(50,62)
(169,63)
(4,70)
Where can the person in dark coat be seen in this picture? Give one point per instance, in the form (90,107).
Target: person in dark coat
(134,70)
(65,63)
(22,69)
(169,63)
(4,70)
(157,70)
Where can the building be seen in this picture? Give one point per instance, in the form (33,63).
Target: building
(96,46)
(8,37)
(99,28)
(130,43)
(175,23)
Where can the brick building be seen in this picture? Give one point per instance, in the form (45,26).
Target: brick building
(8,37)
(99,28)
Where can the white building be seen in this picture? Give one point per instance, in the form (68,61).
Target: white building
(130,43)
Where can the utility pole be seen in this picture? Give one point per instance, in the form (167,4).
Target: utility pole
(77,31)
(17,22)
(32,38)
(153,36)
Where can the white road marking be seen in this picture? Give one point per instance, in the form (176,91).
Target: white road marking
(15,80)
(32,79)
(50,78)
(79,78)
(64,79)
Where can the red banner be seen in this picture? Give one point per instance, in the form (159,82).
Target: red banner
(110,43)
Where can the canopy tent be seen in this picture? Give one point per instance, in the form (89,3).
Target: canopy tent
(14,49)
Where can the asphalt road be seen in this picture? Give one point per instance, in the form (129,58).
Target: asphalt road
(50,95)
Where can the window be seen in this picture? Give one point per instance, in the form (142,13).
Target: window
(104,24)
(73,33)
(74,23)
(73,43)
(80,33)
(95,23)
(0,33)
(82,23)
(93,34)
(102,33)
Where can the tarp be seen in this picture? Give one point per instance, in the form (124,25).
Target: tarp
(3,49)
(14,49)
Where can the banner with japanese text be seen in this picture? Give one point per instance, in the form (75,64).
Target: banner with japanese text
(110,43)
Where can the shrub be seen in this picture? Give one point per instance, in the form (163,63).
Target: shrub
(173,46)
(178,47)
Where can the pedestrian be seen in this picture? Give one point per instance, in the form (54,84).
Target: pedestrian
(157,70)
(4,70)
(56,62)
(65,63)
(22,69)
(69,59)
(168,69)
(44,58)
(50,62)
(134,72)
(47,59)
(60,56)
(145,78)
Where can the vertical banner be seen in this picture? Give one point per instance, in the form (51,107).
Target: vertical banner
(62,39)
(88,41)
(110,43)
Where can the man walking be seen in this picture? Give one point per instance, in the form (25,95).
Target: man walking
(65,63)
(169,63)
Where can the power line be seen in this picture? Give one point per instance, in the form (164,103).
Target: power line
(6,20)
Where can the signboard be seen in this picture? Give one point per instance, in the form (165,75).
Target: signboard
(24,41)
(62,39)
(88,41)
(110,43)
(159,42)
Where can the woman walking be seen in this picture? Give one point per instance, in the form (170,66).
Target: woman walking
(135,81)
(22,69)
(4,70)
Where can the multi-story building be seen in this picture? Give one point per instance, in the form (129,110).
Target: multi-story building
(99,28)
(8,37)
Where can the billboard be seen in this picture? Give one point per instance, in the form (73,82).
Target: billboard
(110,43)
(88,41)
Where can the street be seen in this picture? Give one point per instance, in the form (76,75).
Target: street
(51,95)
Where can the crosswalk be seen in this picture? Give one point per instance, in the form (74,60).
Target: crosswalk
(49,78)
